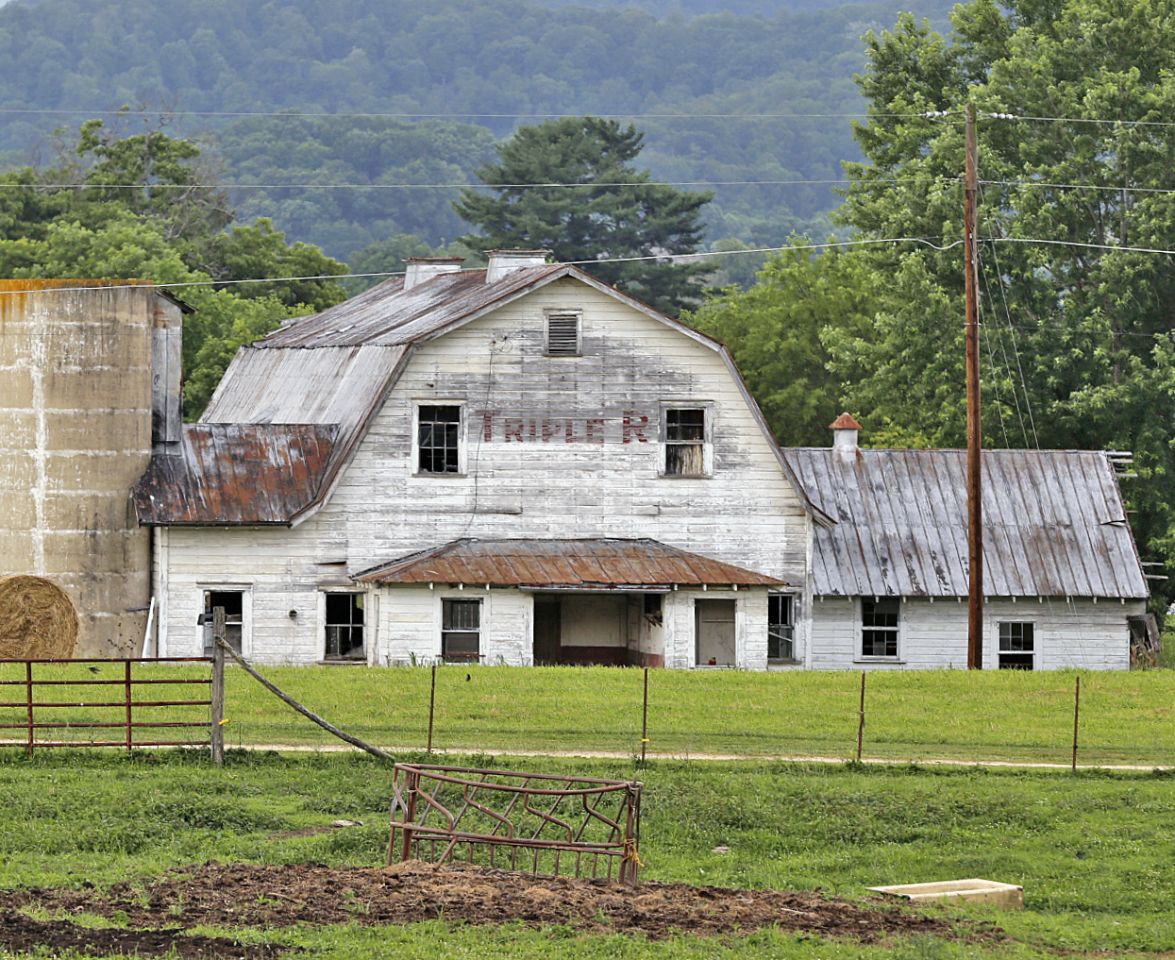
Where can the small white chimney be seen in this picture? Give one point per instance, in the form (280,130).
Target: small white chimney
(503,262)
(844,437)
(420,269)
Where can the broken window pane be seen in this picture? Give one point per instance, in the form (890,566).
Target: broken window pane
(344,627)
(1017,645)
(461,630)
(781,630)
(879,627)
(438,438)
(233,602)
(685,435)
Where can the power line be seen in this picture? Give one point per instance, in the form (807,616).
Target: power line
(1113,247)
(451,186)
(368,115)
(684,258)
(1094,120)
(1078,186)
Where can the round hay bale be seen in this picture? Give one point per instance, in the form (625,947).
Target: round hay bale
(37,620)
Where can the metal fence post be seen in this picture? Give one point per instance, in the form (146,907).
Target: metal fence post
(645,718)
(861,719)
(432,700)
(1076,718)
(217,693)
(28,683)
(126,683)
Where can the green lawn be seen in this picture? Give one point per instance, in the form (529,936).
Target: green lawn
(1094,851)
(1002,715)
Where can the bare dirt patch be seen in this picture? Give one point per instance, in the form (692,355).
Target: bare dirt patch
(242,895)
(21,934)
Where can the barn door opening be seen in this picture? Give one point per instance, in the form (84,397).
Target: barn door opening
(714,632)
(547,623)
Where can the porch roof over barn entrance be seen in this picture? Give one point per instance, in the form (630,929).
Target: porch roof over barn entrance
(590,564)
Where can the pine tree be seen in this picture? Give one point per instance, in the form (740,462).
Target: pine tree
(617,213)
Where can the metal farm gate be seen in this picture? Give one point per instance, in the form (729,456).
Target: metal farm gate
(111,702)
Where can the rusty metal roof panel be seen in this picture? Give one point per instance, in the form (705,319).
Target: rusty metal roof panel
(1054,524)
(236,474)
(389,315)
(569,564)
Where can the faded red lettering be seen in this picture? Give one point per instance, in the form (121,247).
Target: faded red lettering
(569,435)
(633,425)
(595,430)
(487,420)
(512,429)
(550,428)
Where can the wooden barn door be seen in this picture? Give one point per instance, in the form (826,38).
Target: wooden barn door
(714,631)
(546,630)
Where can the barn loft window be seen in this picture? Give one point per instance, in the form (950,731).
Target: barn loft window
(879,627)
(1017,646)
(460,630)
(563,335)
(233,602)
(685,442)
(344,627)
(438,438)
(781,627)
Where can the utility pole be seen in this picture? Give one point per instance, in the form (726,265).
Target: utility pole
(974,422)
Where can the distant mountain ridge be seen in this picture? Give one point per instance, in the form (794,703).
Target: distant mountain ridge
(516,60)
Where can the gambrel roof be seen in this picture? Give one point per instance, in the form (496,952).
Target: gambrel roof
(336,367)
(1054,524)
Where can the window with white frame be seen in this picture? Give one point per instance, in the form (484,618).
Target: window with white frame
(438,438)
(233,604)
(344,627)
(1017,645)
(460,630)
(563,335)
(879,627)
(781,627)
(685,431)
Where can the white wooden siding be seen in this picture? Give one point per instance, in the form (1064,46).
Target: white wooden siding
(1074,633)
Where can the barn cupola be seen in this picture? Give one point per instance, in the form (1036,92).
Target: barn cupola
(419,269)
(502,262)
(844,436)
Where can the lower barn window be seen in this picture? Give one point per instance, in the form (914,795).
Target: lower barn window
(461,630)
(438,438)
(1017,646)
(344,627)
(879,628)
(233,602)
(781,626)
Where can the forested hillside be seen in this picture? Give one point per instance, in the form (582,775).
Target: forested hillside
(492,65)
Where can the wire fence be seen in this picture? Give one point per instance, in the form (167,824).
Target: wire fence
(1099,718)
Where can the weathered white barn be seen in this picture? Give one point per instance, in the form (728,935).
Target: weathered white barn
(523,465)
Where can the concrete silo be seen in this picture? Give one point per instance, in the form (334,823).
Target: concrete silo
(89,382)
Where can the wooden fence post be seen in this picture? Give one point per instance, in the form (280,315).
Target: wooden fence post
(432,701)
(217,735)
(1076,718)
(861,719)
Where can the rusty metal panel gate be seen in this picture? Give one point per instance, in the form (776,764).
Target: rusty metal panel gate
(544,824)
(34,694)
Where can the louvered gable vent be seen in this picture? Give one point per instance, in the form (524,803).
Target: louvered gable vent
(563,335)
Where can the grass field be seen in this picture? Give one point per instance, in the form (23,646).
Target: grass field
(993,715)
(1094,851)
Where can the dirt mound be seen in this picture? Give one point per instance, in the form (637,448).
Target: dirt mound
(243,895)
(20,934)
